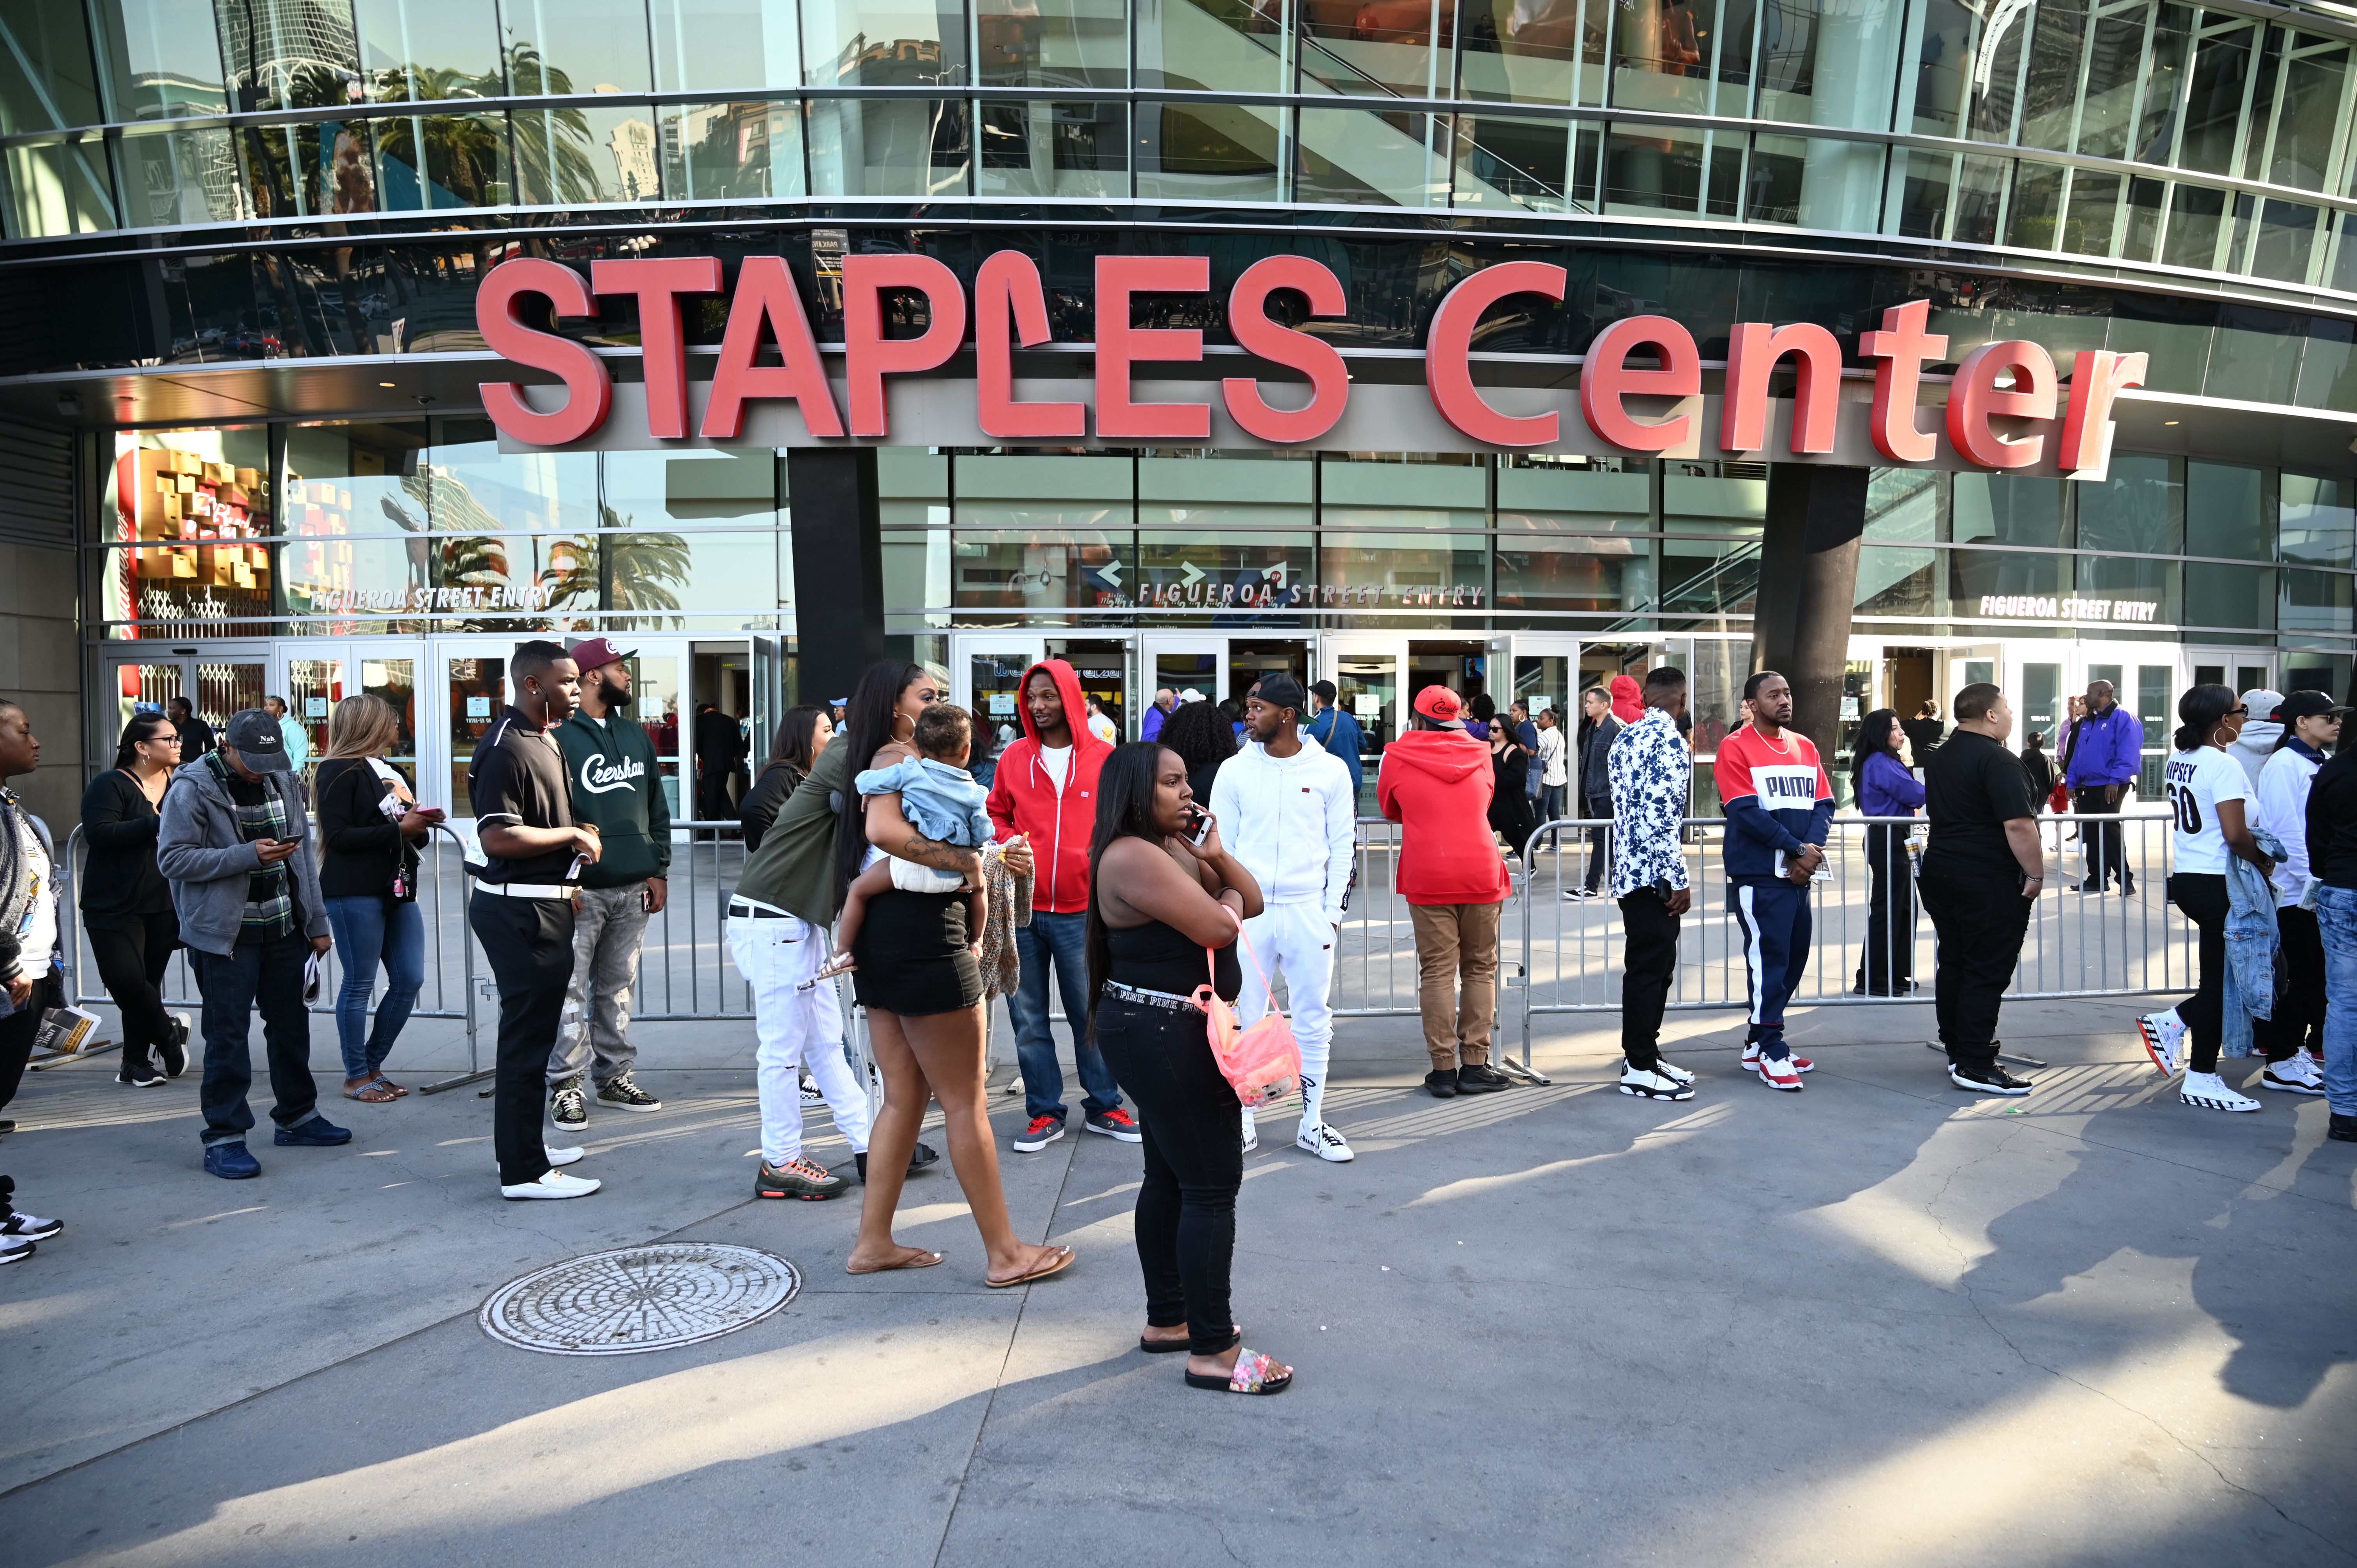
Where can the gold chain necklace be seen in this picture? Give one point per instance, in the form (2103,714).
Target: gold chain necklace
(1784,750)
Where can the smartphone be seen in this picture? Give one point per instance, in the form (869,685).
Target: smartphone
(1202,828)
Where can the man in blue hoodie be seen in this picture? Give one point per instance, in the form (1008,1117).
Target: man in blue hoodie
(1779,803)
(2106,755)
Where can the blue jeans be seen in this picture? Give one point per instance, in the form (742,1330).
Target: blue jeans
(2336,919)
(370,930)
(1063,938)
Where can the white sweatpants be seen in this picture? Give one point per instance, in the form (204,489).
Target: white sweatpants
(796,1029)
(1297,941)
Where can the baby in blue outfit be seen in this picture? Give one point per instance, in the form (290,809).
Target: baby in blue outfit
(942,802)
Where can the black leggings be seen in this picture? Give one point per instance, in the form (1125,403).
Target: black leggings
(2298,1018)
(2201,897)
(131,959)
(1193,1127)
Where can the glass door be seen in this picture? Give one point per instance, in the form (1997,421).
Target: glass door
(471,681)
(1369,672)
(1184,662)
(657,669)
(1545,666)
(1103,666)
(311,678)
(218,680)
(986,677)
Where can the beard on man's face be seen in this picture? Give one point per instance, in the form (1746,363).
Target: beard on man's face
(613,695)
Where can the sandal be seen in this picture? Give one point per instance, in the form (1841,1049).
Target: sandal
(841,963)
(916,1258)
(1170,1346)
(1251,1377)
(398,1091)
(1058,1260)
(374,1091)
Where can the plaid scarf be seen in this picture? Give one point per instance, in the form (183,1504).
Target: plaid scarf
(269,899)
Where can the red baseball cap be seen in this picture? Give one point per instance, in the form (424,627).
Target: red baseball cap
(1439,705)
(596,653)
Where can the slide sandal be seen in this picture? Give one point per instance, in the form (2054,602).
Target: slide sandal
(1251,1377)
(1058,1261)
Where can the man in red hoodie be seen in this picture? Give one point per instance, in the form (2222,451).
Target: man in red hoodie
(1045,791)
(1436,783)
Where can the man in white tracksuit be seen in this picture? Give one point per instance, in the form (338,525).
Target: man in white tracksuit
(1286,810)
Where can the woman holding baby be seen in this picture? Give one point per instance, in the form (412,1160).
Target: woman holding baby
(914,965)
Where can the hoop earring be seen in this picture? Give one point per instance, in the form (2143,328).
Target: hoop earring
(896,736)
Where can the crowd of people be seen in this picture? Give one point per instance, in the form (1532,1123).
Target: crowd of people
(1218,854)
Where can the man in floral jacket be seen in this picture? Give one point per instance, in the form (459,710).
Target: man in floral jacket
(1651,773)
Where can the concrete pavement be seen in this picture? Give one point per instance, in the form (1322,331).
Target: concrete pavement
(1878,1322)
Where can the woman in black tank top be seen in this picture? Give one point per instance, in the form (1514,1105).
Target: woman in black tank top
(1163,917)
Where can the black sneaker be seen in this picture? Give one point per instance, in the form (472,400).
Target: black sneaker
(622,1093)
(22,1227)
(1442,1082)
(17,1251)
(568,1106)
(1481,1079)
(140,1075)
(175,1051)
(2344,1129)
(1991,1080)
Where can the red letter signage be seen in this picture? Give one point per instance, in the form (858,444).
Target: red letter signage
(1121,345)
(1330,383)
(658,282)
(1974,399)
(1008,286)
(766,295)
(1904,349)
(871,356)
(1606,379)
(2097,376)
(1753,350)
(1448,355)
(591,389)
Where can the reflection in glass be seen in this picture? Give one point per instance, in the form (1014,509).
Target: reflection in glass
(2139,509)
(1401,572)
(576,45)
(2094,213)
(2317,601)
(2242,596)
(1715,498)
(1361,157)
(1401,46)
(570,156)
(289,54)
(888,146)
(48,79)
(2213,104)
(2308,114)
(1534,51)
(2318,519)
(1533,165)
(1542,573)
(2222,512)
(2008,508)
(1051,43)
(1200,570)
(160,58)
(882,43)
(466,162)
(1709,578)
(703,45)
(1053,149)
(1208,152)
(718,151)
(58,190)
(1902,505)
(1544,494)
(417,50)
(1041,569)
(2138,583)
(1236,45)
(1893,582)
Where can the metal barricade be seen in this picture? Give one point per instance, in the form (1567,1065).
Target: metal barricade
(2100,928)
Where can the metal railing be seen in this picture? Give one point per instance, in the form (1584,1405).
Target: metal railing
(2114,941)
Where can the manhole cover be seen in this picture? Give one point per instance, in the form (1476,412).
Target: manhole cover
(634,1299)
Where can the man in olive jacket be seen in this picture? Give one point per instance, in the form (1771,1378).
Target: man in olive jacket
(617,785)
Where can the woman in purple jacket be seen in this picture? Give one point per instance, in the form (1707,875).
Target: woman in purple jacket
(1884,786)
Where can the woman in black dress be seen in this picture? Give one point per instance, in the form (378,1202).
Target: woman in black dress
(126,905)
(921,985)
(1164,912)
(1509,802)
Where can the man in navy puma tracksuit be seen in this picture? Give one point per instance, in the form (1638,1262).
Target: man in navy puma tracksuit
(1779,803)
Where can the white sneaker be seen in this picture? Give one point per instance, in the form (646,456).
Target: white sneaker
(1752,1059)
(555,1157)
(1252,1133)
(2294,1075)
(810,1093)
(2162,1034)
(1651,1083)
(553,1184)
(1781,1072)
(2209,1091)
(1325,1142)
(1671,1069)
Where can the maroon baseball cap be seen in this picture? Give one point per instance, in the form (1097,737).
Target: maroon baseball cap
(596,653)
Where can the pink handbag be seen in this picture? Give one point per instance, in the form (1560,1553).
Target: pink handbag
(1262,1063)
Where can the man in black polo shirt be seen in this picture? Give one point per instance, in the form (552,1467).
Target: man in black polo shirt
(521,910)
(1981,875)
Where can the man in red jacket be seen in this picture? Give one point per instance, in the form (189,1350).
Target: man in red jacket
(1045,791)
(1436,783)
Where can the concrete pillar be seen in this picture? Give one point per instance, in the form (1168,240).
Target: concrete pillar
(838,544)
(1808,585)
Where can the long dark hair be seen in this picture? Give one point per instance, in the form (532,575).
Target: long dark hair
(1124,811)
(791,743)
(2202,709)
(142,727)
(868,728)
(1200,735)
(1865,746)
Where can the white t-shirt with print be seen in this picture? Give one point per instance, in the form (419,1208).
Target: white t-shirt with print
(2195,781)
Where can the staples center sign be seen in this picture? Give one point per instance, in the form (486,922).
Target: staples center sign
(2005,407)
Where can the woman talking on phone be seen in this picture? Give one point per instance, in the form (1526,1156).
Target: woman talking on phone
(1165,905)
(370,825)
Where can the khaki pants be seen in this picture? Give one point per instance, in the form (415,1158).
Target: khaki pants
(1450,939)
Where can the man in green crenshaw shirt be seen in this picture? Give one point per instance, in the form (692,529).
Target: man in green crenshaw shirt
(616,782)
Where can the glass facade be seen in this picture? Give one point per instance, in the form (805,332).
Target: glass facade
(2150,133)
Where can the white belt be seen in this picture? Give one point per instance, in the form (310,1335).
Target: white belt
(525,890)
